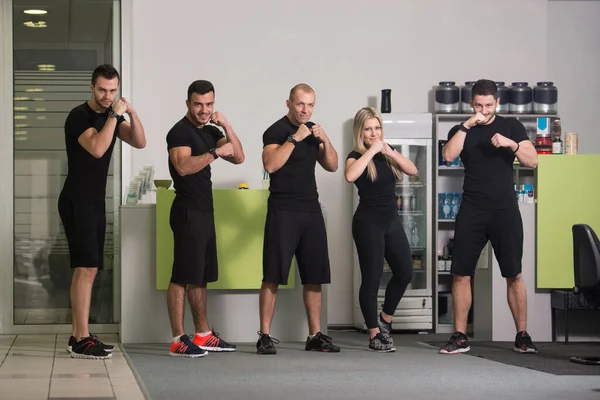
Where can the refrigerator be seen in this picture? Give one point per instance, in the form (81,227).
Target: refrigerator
(412,136)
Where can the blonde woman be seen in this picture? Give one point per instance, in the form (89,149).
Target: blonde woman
(374,167)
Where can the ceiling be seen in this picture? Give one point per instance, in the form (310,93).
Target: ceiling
(68,21)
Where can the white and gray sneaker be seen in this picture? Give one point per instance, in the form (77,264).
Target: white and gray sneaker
(382,343)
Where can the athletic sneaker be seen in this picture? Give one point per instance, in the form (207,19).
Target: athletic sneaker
(523,343)
(89,348)
(266,344)
(212,342)
(384,327)
(321,342)
(185,348)
(458,343)
(106,347)
(381,344)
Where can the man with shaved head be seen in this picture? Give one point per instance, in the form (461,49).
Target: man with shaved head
(295,224)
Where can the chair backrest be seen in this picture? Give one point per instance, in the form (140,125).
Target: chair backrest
(586,257)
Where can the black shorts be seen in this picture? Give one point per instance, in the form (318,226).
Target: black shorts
(503,228)
(84,222)
(194,246)
(289,233)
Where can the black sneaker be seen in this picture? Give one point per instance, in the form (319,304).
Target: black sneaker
(458,343)
(89,348)
(266,344)
(185,348)
(523,343)
(381,344)
(384,327)
(107,347)
(321,342)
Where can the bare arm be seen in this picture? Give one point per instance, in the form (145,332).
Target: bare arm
(405,165)
(133,133)
(185,163)
(238,152)
(454,147)
(527,155)
(274,156)
(355,167)
(96,143)
(328,157)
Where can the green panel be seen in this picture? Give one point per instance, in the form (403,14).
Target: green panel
(568,193)
(239,221)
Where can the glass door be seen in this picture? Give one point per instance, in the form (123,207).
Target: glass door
(413,204)
(54,55)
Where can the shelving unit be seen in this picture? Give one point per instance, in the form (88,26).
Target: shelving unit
(450,179)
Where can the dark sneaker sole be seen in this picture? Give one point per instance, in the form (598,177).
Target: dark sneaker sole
(216,349)
(187,355)
(323,350)
(89,357)
(266,352)
(526,351)
(457,351)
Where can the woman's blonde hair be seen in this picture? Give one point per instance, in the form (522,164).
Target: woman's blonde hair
(361,117)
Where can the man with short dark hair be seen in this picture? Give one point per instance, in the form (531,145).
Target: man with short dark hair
(91,130)
(193,146)
(488,144)
(295,224)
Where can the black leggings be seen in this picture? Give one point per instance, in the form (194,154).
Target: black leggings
(374,242)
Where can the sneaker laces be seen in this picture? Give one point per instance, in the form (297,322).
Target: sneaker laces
(270,338)
(325,338)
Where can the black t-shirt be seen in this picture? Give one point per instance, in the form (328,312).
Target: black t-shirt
(193,191)
(377,199)
(293,186)
(489,182)
(87,175)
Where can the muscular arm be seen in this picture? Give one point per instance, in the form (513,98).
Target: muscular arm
(185,163)
(454,147)
(355,167)
(328,157)
(527,155)
(274,156)
(238,152)
(132,132)
(96,143)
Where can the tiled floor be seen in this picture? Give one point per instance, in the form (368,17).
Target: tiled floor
(39,367)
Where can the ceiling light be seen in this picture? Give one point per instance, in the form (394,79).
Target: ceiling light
(46,67)
(30,90)
(35,12)
(38,24)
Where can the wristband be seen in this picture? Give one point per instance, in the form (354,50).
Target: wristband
(213,152)
(517,149)
(464,128)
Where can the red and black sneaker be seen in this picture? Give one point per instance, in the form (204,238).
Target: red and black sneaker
(458,343)
(523,343)
(89,348)
(107,347)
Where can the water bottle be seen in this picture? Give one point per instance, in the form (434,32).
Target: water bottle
(447,205)
(441,198)
(455,205)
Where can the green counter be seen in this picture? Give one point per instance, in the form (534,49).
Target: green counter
(239,221)
(568,193)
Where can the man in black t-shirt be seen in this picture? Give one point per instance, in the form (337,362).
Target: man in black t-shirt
(295,225)
(487,144)
(91,130)
(193,145)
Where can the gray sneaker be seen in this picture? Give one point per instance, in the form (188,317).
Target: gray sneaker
(381,344)
(384,327)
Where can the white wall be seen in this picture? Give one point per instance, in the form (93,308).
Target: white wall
(254,52)
(573,59)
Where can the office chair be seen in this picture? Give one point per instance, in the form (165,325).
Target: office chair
(586,257)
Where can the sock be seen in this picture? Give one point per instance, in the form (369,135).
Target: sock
(176,339)
(311,336)
(204,334)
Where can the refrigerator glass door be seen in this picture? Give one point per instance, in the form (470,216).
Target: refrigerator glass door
(413,194)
